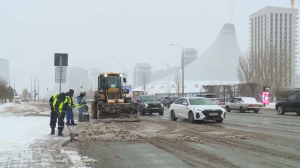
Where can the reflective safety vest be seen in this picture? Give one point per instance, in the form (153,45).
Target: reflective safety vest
(61,105)
(80,105)
(54,101)
(70,102)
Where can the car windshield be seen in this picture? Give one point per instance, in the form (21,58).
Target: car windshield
(174,98)
(200,102)
(249,100)
(148,98)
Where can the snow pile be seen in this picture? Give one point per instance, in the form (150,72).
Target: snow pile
(271,105)
(6,105)
(24,108)
(107,132)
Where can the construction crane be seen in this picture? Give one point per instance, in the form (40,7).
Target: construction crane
(292,3)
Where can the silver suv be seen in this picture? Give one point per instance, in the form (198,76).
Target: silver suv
(244,104)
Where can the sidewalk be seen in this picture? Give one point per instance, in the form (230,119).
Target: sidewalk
(46,152)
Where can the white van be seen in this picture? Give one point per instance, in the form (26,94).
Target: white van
(17,99)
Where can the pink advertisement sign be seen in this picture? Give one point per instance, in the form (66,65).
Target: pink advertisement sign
(265,97)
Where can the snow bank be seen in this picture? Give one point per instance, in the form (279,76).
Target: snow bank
(271,105)
(108,132)
(4,106)
(18,132)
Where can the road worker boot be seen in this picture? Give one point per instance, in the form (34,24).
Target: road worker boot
(80,117)
(72,122)
(60,133)
(52,131)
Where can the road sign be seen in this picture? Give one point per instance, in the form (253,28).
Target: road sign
(63,57)
(60,71)
(265,97)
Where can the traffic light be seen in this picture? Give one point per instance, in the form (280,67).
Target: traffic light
(80,87)
(47,89)
(266,88)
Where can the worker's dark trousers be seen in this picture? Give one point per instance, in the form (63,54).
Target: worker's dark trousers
(53,119)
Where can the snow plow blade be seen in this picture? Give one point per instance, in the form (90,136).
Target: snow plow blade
(127,112)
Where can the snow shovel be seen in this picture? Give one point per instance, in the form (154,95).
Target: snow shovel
(71,134)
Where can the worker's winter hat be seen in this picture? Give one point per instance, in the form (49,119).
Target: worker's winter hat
(71,91)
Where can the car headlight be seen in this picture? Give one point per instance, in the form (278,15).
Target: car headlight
(162,105)
(199,110)
(146,105)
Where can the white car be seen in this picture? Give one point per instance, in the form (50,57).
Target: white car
(196,108)
(244,104)
(17,100)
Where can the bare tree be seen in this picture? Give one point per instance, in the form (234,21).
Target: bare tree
(210,88)
(25,93)
(178,83)
(246,73)
(3,90)
(168,90)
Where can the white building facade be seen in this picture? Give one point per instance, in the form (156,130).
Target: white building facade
(142,74)
(275,28)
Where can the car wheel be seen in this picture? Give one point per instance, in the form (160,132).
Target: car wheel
(173,118)
(256,110)
(161,113)
(280,110)
(191,117)
(227,109)
(242,110)
(219,121)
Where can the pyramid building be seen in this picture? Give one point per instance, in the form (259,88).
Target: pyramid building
(217,65)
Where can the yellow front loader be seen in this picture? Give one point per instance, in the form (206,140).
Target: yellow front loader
(110,102)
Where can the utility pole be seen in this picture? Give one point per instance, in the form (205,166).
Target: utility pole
(31,88)
(182,66)
(38,88)
(34,88)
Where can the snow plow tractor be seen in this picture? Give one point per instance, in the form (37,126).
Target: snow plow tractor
(110,103)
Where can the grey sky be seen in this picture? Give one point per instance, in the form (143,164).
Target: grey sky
(99,34)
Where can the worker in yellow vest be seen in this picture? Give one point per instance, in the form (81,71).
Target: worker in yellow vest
(58,104)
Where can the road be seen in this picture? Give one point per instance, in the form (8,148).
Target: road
(263,139)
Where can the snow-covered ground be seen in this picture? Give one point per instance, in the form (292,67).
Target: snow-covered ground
(19,132)
(271,105)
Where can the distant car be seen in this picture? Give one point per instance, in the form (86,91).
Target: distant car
(171,101)
(196,108)
(24,100)
(149,104)
(244,104)
(165,101)
(211,97)
(289,104)
(17,100)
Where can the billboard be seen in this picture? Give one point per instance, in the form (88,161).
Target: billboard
(265,97)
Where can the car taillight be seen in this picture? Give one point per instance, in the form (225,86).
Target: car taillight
(260,105)
(250,105)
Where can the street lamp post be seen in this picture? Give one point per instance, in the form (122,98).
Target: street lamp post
(125,74)
(15,79)
(182,66)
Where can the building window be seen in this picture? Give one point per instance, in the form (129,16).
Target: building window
(271,14)
(276,14)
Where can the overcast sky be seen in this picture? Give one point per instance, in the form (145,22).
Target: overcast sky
(101,33)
